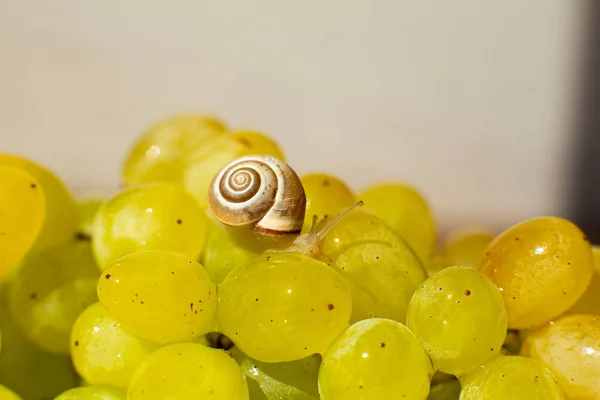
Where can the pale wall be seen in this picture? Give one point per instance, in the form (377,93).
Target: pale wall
(470,100)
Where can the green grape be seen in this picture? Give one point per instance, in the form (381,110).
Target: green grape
(294,380)
(258,143)
(50,290)
(87,213)
(464,247)
(159,295)
(589,303)
(29,371)
(221,254)
(357,227)
(407,212)
(207,161)
(60,218)
(325,195)
(188,371)
(7,394)
(160,153)
(375,359)
(449,390)
(542,267)
(103,352)
(283,306)
(92,393)
(23,206)
(459,317)
(381,277)
(510,377)
(570,347)
(158,216)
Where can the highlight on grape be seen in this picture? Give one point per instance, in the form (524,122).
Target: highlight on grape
(216,272)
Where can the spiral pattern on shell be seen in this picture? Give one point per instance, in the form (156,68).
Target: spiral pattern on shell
(261,192)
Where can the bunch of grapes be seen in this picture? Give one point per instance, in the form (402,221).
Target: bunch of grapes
(217,272)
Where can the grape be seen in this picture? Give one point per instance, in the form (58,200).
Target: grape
(26,369)
(542,267)
(510,377)
(283,306)
(295,380)
(381,277)
(325,195)
(60,218)
(103,352)
(159,295)
(92,393)
(375,359)
(258,143)
(50,290)
(459,317)
(159,155)
(221,254)
(7,394)
(188,371)
(570,347)
(589,303)
(449,390)
(357,227)
(157,216)
(464,248)
(87,214)
(407,212)
(23,206)
(207,161)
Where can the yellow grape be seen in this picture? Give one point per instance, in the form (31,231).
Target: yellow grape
(325,195)
(214,155)
(589,303)
(221,254)
(26,369)
(357,227)
(158,216)
(449,390)
(382,278)
(188,371)
(465,248)
(510,377)
(570,347)
(407,212)
(542,267)
(92,393)
(283,306)
(103,352)
(23,206)
(7,394)
(60,218)
(258,143)
(161,151)
(50,290)
(375,359)
(159,295)
(295,380)
(87,214)
(459,317)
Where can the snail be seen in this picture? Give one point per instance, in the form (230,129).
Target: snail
(266,195)
(260,192)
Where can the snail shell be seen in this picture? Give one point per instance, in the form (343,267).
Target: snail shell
(261,192)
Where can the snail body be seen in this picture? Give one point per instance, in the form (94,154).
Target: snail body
(259,192)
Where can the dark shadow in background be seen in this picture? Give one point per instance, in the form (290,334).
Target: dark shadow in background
(585,204)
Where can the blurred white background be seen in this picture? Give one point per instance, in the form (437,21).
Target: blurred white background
(471,101)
